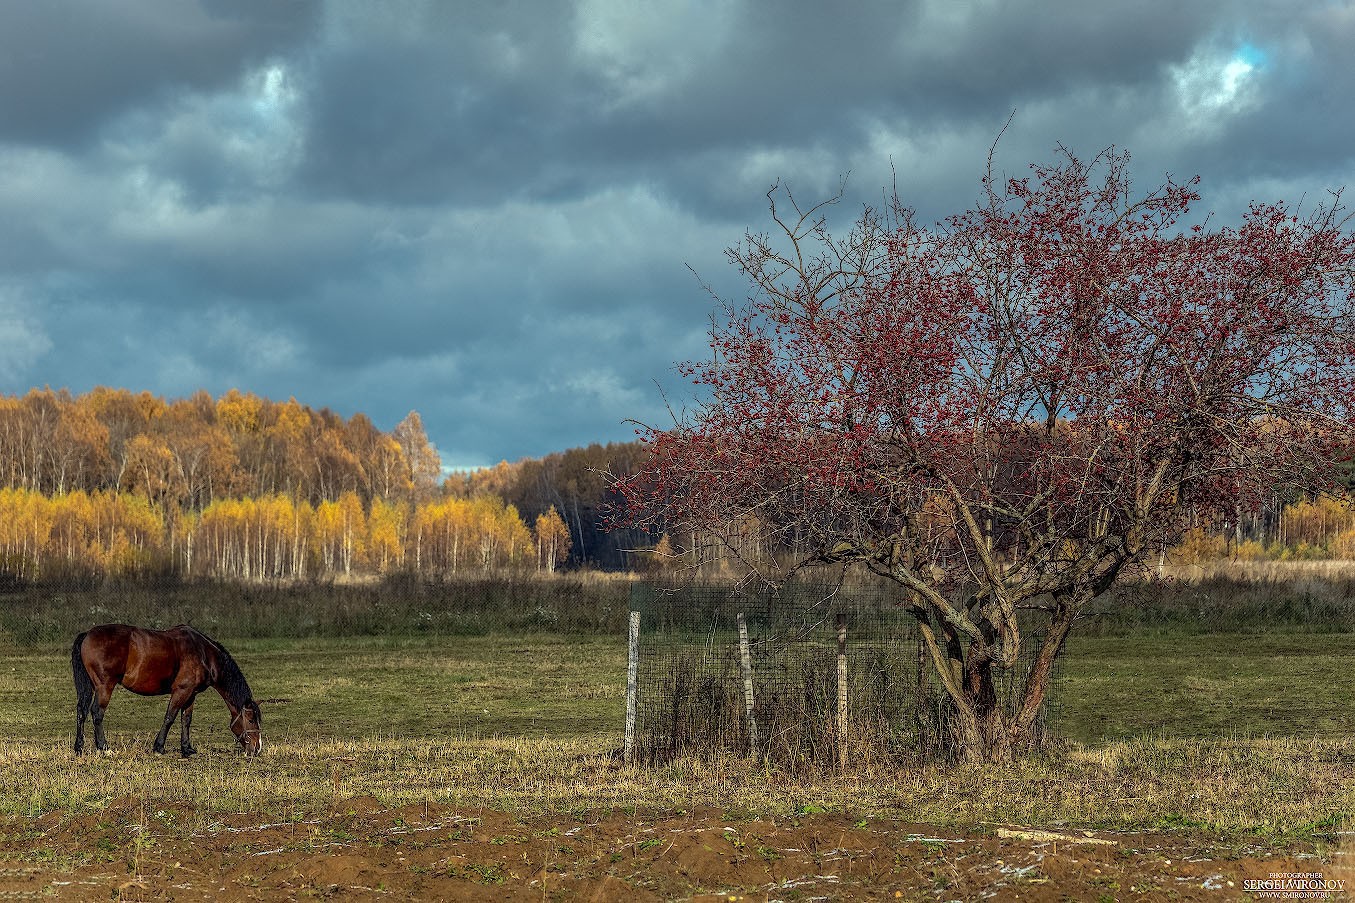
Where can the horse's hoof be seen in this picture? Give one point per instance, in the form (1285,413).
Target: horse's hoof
(159,750)
(188,752)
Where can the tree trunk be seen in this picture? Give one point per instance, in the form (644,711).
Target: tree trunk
(986,736)
(982,728)
(1042,669)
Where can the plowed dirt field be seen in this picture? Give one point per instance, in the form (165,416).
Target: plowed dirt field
(363,851)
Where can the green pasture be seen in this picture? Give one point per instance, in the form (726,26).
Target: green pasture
(1230,685)
(1237,735)
(365,688)
(553,686)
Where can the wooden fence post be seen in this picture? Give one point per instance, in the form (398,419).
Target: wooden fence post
(925,713)
(746,664)
(842,689)
(632,685)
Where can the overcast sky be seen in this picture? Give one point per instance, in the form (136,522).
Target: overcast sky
(484,211)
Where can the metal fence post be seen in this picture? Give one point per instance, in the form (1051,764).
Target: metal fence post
(746,664)
(842,689)
(632,685)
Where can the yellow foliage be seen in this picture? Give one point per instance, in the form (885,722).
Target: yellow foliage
(1343,545)
(104,533)
(1312,522)
(249,538)
(1309,529)
(553,540)
(458,534)
(386,527)
(1198,546)
(239,413)
(663,557)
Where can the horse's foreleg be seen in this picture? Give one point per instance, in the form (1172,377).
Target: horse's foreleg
(170,713)
(185,723)
(179,699)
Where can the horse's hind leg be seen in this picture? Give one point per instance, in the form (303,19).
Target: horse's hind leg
(84,691)
(83,703)
(81,713)
(97,707)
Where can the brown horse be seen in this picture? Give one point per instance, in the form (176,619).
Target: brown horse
(179,661)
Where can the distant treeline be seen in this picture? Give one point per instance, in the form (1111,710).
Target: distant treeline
(114,483)
(1304,530)
(574,483)
(188,453)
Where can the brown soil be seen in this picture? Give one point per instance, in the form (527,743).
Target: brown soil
(361,850)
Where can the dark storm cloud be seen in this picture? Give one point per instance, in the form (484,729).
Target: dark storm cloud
(484,211)
(1299,124)
(478,109)
(438,103)
(68,67)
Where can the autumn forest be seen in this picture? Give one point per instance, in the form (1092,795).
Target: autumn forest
(114,483)
(120,484)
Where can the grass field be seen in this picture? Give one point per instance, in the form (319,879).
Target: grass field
(1230,685)
(538,686)
(1238,735)
(485,767)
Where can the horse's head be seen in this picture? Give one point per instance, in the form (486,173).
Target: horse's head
(247,725)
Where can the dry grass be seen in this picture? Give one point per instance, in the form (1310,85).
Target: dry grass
(1260,571)
(1275,790)
(532,724)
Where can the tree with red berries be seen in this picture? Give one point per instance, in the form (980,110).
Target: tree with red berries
(1012,409)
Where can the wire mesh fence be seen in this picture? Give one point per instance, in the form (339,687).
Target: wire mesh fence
(798,674)
(693,688)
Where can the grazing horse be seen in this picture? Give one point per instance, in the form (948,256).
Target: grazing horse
(179,661)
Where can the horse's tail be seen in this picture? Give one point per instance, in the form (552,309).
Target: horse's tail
(84,687)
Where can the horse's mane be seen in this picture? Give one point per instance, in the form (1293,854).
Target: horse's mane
(230,677)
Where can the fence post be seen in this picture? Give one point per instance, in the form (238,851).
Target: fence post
(746,664)
(632,685)
(842,689)
(924,714)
